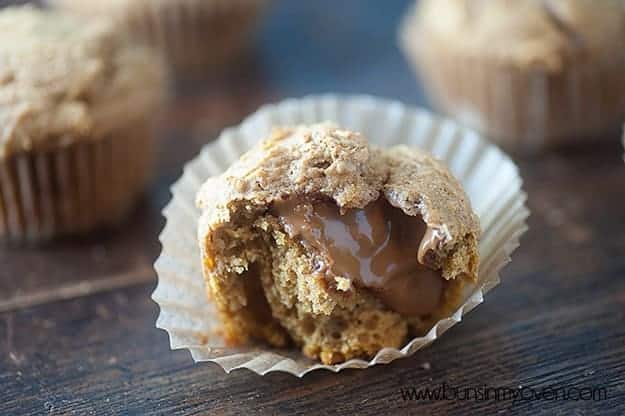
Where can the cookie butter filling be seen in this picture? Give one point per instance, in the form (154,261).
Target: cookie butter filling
(375,247)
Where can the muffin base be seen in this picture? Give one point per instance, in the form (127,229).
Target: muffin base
(196,37)
(82,186)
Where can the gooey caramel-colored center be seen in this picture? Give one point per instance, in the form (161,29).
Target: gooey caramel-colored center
(375,247)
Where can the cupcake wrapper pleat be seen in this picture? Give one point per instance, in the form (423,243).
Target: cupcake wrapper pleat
(72,189)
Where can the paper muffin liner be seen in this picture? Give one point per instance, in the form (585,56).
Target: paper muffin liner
(490,179)
(90,183)
(523,109)
(195,36)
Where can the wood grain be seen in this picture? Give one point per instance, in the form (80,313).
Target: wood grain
(77,329)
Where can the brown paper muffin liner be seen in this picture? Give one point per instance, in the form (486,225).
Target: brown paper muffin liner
(523,110)
(195,36)
(489,176)
(91,183)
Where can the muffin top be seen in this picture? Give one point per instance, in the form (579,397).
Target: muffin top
(543,34)
(63,80)
(326,162)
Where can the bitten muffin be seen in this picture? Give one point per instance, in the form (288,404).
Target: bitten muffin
(532,74)
(315,237)
(196,36)
(76,103)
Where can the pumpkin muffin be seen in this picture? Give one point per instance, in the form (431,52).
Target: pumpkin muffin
(531,74)
(196,36)
(76,103)
(316,238)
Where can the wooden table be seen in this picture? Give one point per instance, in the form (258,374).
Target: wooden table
(77,329)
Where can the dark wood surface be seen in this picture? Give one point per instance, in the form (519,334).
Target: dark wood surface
(77,329)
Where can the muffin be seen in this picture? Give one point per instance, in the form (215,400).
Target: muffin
(76,103)
(196,36)
(315,238)
(531,74)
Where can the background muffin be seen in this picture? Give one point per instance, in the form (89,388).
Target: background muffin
(76,103)
(196,36)
(530,73)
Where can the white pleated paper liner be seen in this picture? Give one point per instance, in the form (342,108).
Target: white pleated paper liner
(490,178)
